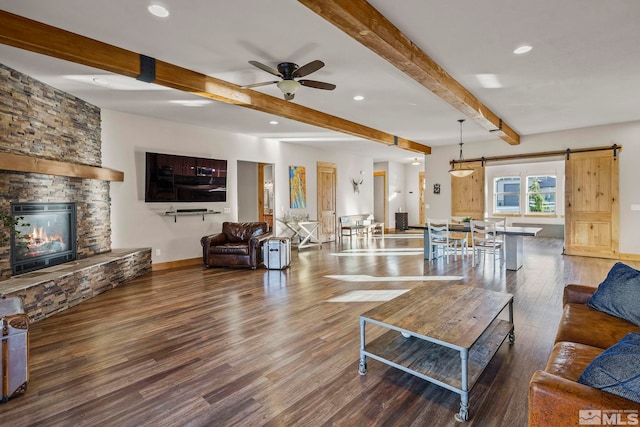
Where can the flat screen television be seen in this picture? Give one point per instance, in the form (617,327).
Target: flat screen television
(173,178)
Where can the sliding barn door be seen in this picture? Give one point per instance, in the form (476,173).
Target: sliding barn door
(467,194)
(592,208)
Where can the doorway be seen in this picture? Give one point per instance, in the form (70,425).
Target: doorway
(256,194)
(265,193)
(380,197)
(421,189)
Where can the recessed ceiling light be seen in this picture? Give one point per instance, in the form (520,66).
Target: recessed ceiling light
(101,81)
(522,49)
(358,98)
(273,122)
(158,10)
(191,102)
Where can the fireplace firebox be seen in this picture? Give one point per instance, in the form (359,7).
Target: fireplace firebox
(48,239)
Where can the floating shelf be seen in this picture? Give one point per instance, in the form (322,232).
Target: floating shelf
(176,214)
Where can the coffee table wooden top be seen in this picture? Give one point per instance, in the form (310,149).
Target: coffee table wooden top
(453,315)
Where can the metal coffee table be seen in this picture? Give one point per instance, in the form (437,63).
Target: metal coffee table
(444,334)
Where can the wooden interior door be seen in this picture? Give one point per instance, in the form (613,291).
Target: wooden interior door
(467,194)
(327,201)
(421,187)
(591,204)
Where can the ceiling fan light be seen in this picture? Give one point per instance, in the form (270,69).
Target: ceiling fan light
(288,87)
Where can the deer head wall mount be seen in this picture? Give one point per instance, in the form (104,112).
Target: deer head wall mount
(356,183)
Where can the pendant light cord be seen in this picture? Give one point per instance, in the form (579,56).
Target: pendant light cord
(461,160)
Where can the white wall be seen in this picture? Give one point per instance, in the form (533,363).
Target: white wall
(126,138)
(625,134)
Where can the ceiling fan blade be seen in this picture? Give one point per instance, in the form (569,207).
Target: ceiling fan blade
(308,68)
(266,68)
(259,84)
(317,85)
(288,96)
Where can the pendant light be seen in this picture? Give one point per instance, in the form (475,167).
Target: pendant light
(461,170)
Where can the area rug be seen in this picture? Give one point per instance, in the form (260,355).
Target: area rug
(368,295)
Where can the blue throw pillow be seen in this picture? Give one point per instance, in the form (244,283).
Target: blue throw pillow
(617,369)
(619,294)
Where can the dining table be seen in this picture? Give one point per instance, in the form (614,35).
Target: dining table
(513,241)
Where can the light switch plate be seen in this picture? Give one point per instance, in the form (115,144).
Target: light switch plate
(227,210)
(635,207)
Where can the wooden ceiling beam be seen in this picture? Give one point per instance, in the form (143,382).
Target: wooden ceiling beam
(45,39)
(364,23)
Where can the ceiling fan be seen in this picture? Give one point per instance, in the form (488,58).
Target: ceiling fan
(288,71)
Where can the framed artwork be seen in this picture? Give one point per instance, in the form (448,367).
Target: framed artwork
(297,187)
(436,188)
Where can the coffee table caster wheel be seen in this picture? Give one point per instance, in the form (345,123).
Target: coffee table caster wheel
(462,416)
(362,368)
(512,337)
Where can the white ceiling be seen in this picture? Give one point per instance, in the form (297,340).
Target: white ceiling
(584,68)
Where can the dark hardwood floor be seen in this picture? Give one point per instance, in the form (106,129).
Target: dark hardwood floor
(221,347)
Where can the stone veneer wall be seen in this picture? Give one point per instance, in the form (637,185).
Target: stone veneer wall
(41,121)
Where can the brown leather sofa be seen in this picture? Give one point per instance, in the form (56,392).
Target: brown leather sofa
(239,244)
(555,396)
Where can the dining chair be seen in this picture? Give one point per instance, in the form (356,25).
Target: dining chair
(463,236)
(484,240)
(440,238)
(501,224)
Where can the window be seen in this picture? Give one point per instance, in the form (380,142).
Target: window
(506,191)
(541,194)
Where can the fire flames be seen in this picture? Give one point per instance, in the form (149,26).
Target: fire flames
(39,241)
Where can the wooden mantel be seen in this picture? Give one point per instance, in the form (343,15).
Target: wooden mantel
(22,163)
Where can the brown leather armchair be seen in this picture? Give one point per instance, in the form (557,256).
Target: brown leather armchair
(239,244)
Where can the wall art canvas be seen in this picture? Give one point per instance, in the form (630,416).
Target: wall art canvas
(297,187)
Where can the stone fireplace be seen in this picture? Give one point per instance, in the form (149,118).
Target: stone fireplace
(50,152)
(42,122)
(44,237)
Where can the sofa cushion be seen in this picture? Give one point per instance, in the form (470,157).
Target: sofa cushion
(585,325)
(617,370)
(569,359)
(236,248)
(619,294)
(243,231)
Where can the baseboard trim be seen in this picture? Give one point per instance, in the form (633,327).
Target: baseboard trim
(176,264)
(630,257)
